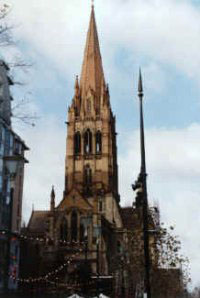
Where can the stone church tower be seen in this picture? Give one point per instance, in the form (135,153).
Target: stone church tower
(88,217)
(91,156)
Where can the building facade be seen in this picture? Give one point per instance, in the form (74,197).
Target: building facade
(12,147)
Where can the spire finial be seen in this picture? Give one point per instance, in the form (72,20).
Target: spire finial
(140,84)
(52,193)
(52,202)
(92,3)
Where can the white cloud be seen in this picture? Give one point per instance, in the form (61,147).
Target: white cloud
(46,163)
(163,31)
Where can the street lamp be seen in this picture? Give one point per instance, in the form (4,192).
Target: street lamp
(141,196)
(12,165)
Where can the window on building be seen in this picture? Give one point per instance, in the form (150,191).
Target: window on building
(11,144)
(7,143)
(88,142)
(17,147)
(74,226)
(16,250)
(77,143)
(100,205)
(63,230)
(18,224)
(88,175)
(82,231)
(98,142)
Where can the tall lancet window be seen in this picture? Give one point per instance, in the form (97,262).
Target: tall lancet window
(82,232)
(77,143)
(88,142)
(64,230)
(98,142)
(88,175)
(74,226)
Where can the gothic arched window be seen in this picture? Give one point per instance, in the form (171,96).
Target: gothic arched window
(98,142)
(82,233)
(74,226)
(77,143)
(88,142)
(88,175)
(63,230)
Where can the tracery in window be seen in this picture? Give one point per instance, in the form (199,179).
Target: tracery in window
(88,175)
(74,226)
(88,141)
(82,233)
(98,142)
(77,143)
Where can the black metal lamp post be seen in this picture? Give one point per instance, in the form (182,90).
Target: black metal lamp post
(142,199)
(12,164)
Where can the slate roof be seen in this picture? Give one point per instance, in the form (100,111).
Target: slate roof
(38,221)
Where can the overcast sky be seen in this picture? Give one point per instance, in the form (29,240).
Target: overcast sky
(161,36)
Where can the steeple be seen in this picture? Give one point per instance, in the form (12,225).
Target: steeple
(76,87)
(53,199)
(92,74)
(91,155)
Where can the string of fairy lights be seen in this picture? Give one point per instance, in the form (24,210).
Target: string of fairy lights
(43,239)
(47,276)
(50,274)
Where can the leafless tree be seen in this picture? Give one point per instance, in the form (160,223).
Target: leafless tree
(21,108)
(169,268)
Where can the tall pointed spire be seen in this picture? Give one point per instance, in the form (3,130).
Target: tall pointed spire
(92,70)
(52,205)
(76,87)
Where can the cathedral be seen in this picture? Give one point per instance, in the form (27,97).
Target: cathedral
(88,233)
(89,211)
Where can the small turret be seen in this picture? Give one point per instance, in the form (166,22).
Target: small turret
(76,87)
(52,199)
